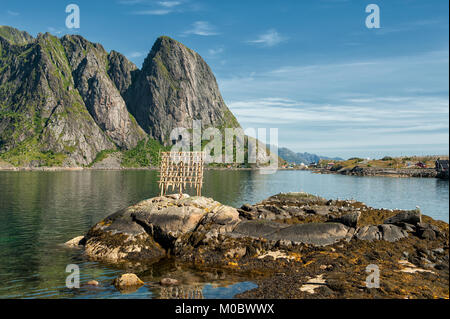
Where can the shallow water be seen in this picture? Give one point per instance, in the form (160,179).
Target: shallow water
(41,210)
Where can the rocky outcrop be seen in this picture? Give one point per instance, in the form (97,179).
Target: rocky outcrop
(75,242)
(180,224)
(118,238)
(175,87)
(374,171)
(350,219)
(296,243)
(412,217)
(381,232)
(151,228)
(318,234)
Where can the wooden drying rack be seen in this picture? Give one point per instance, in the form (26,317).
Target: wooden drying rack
(181,169)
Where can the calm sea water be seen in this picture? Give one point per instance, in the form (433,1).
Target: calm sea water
(41,210)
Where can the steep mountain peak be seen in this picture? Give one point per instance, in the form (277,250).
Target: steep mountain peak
(121,71)
(175,87)
(164,47)
(15,36)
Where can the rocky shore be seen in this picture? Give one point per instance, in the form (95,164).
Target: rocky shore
(389,172)
(297,245)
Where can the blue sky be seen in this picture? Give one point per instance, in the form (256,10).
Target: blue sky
(310,68)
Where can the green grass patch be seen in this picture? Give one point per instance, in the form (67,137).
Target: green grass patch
(145,154)
(29,151)
(101,156)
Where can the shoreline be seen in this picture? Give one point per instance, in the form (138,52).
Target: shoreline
(394,173)
(59,169)
(355,171)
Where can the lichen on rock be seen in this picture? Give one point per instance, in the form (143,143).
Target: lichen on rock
(296,239)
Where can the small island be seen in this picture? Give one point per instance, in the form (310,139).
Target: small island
(296,245)
(414,166)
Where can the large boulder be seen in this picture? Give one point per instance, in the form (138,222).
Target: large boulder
(168,218)
(127,282)
(349,219)
(75,242)
(147,230)
(412,217)
(319,234)
(258,228)
(428,231)
(119,238)
(386,232)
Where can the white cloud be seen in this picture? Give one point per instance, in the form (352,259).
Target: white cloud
(132,2)
(351,105)
(215,52)
(270,38)
(157,8)
(135,54)
(354,127)
(169,4)
(54,30)
(408,111)
(13,13)
(202,28)
(158,12)
(424,74)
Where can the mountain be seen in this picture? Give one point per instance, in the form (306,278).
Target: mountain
(64,101)
(175,86)
(298,158)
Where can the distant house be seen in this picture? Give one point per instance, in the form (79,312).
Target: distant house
(441,165)
(330,165)
(421,165)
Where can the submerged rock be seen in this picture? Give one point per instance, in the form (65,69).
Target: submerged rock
(169,282)
(92,283)
(127,282)
(75,242)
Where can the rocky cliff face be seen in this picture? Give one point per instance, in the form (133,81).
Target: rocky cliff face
(62,101)
(175,87)
(101,97)
(42,114)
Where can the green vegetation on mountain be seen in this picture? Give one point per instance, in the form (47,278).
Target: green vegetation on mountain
(67,102)
(145,154)
(14,36)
